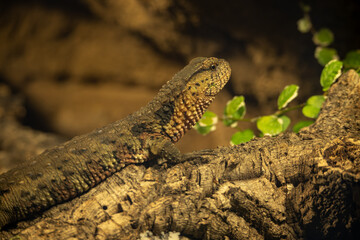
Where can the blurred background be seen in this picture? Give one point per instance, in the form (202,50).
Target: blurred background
(70,66)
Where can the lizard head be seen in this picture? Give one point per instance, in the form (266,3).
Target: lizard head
(182,101)
(209,78)
(202,79)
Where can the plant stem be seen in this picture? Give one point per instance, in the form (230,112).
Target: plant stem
(285,110)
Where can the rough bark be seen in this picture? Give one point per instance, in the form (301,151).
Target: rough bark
(292,186)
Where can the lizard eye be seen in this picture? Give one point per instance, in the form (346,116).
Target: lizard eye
(213,66)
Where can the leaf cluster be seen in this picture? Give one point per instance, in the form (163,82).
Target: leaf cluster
(278,122)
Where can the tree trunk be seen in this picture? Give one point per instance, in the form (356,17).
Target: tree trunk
(292,186)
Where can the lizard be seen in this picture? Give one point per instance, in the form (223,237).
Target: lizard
(66,171)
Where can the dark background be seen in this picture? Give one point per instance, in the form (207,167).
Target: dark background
(78,65)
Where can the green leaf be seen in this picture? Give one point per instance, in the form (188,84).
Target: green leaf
(209,118)
(235,109)
(310,111)
(316,101)
(324,37)
(330,73)
(285,122)
(230,122)
(204,130)
(207,123)
(287,95)
(270,125)
(242,137)
(301,124)
(313,106)
(304,24)
(325,55)
(352,59)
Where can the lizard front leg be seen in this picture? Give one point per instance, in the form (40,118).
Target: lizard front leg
(164,150)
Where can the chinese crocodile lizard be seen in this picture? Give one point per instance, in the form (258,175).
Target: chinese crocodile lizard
(69,170)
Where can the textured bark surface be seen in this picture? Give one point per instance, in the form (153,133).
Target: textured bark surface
(293,186)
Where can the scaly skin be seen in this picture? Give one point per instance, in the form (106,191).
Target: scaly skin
(69,170)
